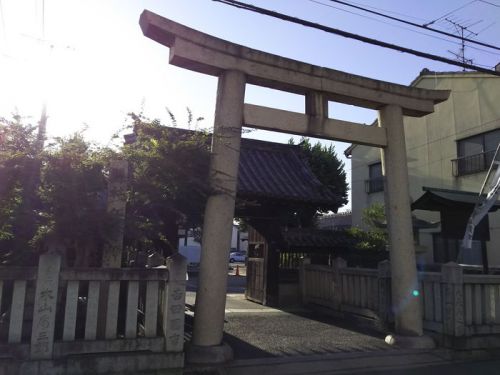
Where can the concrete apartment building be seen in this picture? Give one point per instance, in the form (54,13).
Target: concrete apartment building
(449,149)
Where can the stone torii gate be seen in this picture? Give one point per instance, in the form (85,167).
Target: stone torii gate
(236,65)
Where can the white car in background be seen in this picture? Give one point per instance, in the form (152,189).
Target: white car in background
(237,256)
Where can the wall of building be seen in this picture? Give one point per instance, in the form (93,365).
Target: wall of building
(242,237)
(361,158)
(431,143)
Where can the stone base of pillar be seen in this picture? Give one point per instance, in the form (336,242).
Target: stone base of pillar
(208,355)
(411,342)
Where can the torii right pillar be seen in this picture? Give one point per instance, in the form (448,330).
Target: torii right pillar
(405,294)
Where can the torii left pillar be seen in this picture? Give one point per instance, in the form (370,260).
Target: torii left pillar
(206,346)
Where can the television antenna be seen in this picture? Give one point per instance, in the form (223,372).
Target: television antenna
(464,32)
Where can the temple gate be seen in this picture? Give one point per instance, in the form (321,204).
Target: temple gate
(235,66)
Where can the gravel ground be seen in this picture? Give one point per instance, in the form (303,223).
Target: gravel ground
(256,331)
(270,334)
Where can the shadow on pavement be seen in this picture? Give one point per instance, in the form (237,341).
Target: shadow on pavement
(245,350)
(255,331)
(242,349)
(364,329)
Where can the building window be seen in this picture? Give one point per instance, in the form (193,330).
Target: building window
(376,181)
(475,154)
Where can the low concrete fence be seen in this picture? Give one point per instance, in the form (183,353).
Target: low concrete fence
(91,320)
(460,310)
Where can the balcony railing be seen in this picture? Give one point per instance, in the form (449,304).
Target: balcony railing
(472,163)
(374,185)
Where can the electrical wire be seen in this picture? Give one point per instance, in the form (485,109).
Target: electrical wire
(487,2)
(346,34)
(447,14)
(425,26)
(388,11)
(407,28)
(486,28)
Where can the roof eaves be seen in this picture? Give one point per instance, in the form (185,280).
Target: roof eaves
(426,73)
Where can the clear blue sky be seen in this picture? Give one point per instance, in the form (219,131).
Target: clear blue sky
(89,60)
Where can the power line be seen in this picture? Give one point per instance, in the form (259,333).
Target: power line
(447,14)
(425,26)
(388,11)
(487,2)
(407,28)
(346,34)
(486,28)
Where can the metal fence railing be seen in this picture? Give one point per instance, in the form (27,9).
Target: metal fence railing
(472,163)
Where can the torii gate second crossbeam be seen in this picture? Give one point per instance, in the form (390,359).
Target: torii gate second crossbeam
(235,66)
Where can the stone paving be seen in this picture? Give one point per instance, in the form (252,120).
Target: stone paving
(256,331)
(298,341)
(264,332)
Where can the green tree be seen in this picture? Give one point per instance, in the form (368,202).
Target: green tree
(73,199)
(52,194)
(375,237)
(168,186)
(19,168)
(326,166)
(168,183)
(374,218)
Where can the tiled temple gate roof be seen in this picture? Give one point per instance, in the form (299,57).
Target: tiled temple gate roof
(280,171)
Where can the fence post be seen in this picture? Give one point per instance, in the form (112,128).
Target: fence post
(384,292)
(44,314)
(452,278)
(302,279)
(338,298)
(173,311)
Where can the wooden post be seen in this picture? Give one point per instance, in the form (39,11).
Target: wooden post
(173,310)
(302,279)
(338,264)
(384,292)
(272,279)
(44,315)
(453,284)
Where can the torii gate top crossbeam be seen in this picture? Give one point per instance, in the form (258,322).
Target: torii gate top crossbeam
(204,53)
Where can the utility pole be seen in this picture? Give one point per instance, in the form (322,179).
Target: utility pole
(42,129)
